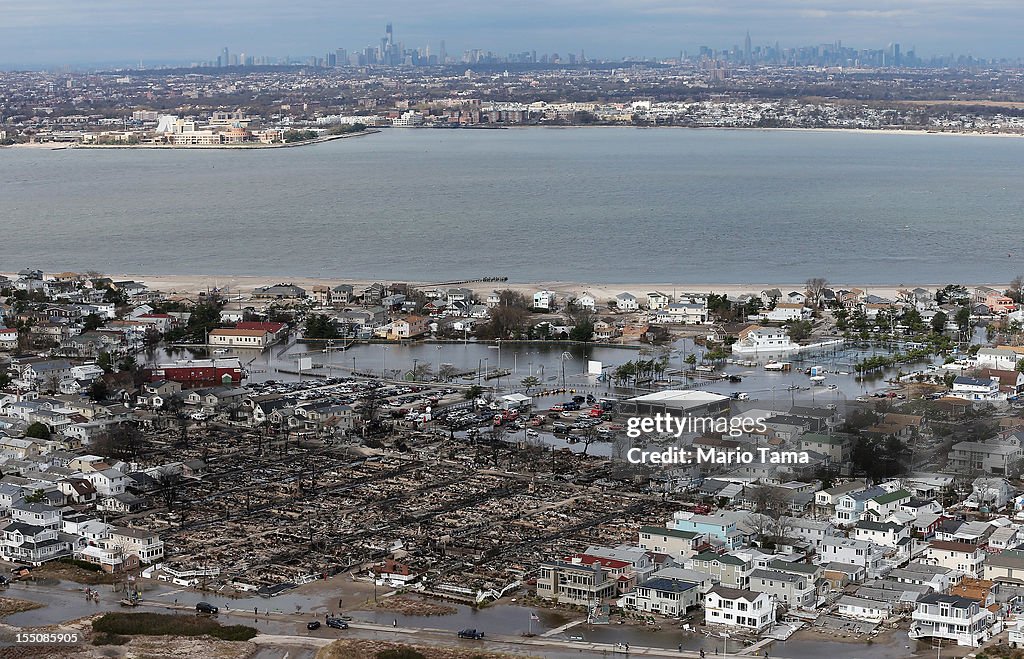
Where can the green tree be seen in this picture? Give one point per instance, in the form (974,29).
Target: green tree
(473,392)
(204,318)
(319,326)
(912,319)
(38,431)
(582,332)
(952,294)
(939,321)
(1020,365)
(799,330)
(92,322)
(106,362)
(115,297)
(5,377)
(963,318)
(532,381)
(99,390)
(37,496)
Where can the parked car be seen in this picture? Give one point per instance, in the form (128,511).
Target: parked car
(337,623)
(313,625)
(470,633)
(206,607)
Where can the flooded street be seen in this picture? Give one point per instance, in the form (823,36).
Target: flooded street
(289,613)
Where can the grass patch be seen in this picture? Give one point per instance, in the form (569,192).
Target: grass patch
(357,648)
(9,605)
(84,565)
(163,624)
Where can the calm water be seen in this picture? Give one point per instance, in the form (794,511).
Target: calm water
(597,205)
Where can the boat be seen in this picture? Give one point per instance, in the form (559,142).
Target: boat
(777,366)
(818,379)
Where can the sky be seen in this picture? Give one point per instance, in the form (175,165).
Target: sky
(81,32)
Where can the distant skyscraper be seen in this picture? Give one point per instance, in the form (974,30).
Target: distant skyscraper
(225,58)
(746,48)
(442,54)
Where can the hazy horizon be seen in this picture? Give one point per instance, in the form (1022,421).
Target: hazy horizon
(65,32)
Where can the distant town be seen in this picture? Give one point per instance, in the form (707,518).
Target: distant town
(238,100)
(358,467)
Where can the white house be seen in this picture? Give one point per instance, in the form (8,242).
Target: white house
(544,300)
(109,482)
(784,312)
(852,552)
(970,388)
(1001,359)
(626,302)
(663,595)
(743,609)
(138,542)
(861,608)
(963,557)
(657,300)
(755,338)
(686,313)
(586,301)
(952,618)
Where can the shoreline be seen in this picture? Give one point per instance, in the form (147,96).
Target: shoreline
(58,146)
(246,146)
(239,284)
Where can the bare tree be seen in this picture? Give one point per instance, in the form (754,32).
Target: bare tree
(768,500)
(815,288)
(169,480)
(760,525)
(123,442)
(498,435)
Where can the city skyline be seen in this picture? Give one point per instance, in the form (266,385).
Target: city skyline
(58,32)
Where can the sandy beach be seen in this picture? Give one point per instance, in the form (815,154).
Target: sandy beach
(244,285)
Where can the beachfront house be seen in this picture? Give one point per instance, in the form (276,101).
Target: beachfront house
(952,618)
(743,609)
(544,300)
(626,302)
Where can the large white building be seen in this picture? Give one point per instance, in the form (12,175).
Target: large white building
(755,339)
(952,618)
(978,389)
(732,607)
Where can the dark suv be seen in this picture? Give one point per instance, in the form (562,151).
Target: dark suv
(337,623)
(471,633)
(206,607)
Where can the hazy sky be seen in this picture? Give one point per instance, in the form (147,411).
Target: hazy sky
(87,31)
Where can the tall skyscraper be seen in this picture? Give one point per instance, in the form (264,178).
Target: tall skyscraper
(442,54)
(225,58)
(747,49)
